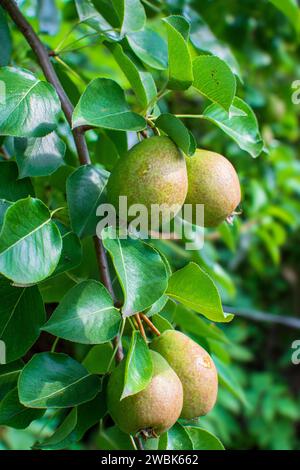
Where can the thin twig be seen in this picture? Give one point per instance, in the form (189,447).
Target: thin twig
(264,316)
(140,325)
(150,324)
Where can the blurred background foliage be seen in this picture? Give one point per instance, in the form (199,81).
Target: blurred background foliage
(255,262)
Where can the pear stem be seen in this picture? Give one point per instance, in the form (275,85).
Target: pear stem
(140,325)
(150,324)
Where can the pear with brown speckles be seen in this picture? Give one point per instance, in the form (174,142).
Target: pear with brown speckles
(212,181)
(153,172)
(153,410)
(195,369)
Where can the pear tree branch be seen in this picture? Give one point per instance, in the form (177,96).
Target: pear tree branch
(79,133)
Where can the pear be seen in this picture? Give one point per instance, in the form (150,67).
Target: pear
(195,369)
(212,181)
(152,172)
(153,410)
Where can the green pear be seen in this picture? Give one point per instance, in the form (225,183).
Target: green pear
(213,182)
(152,172)
(195,369)
(153,410)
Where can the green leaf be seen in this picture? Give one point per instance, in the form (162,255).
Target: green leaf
(11,188)
(241,125)
(161,323)
(5,38)
(9,374)
(75,425)
(103,105)
(131,14)
(180,62)
(203,440)
(191,322)
(31,107)
(291,10)
(228,380)
(85,192)
(30,242)
(85,315)
(177,438)
(71,254)
(177,131)
(140,79)
(140,269)
(61,437)
(150,48)
(4,205)
(21,315)
(214,79)
(193,287)
(139,366)
(52,380)
(204,40)
(39,157)
(14,414)
(114,439)
(90,15)
(98,359)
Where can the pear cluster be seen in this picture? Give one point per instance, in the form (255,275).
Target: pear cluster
(155,172)
(184,385)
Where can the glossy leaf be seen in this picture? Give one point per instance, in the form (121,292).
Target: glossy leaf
(30,242)
(177,438)
(180,62)
(4,205)
(203,440)
(214,79)
(75,425)
(177,131)
(85,315)
(103,105)
(140,269)
(97,18)
(14,414)
(131,14)
(9,374)
(52,380)
(41,156)
(192,323)
(193,287)
(139,366)
(31,106)
(113,438)
(150,48)
(241,125)
(98,358)
(11,188)
(140,79)
(21,315)
(71,254)
(85,192)
(5,38)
